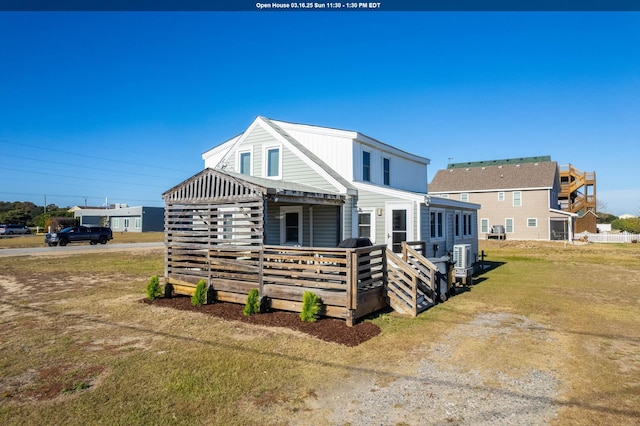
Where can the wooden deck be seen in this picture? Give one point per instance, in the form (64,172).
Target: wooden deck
(350,282)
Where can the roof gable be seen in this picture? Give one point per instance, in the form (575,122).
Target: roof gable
(541,175)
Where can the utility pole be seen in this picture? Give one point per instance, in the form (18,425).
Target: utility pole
(45,203)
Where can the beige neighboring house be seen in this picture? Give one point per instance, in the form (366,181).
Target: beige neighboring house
(520,194)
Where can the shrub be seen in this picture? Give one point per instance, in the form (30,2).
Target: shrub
(253,302)
(200,295)
(310,307)
(153,288)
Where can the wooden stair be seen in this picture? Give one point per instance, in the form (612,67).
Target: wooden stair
(410,283)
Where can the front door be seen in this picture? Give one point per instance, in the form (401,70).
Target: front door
(398,225)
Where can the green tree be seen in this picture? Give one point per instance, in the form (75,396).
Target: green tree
(628,225)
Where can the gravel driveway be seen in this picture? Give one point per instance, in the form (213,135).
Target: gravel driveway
(439,392)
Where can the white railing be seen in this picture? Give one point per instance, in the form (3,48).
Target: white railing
(623,237)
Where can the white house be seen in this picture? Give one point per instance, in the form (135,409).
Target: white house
(327,185)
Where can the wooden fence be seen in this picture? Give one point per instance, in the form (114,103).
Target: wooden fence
(350,282)
(623,237)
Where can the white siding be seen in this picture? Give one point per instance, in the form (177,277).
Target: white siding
(333,150)
(406,175)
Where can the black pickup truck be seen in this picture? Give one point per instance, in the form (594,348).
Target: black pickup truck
(93,234)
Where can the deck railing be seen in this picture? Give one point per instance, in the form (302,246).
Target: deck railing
(350,282)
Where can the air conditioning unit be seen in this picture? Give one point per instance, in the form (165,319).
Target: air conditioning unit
(462,256)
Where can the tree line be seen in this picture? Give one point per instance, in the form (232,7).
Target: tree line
(28,214)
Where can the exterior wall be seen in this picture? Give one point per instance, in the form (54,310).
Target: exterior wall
(150,219)
(372,201)
(534,205)
(405,174)
(331,148)
(444,246)
(323,219)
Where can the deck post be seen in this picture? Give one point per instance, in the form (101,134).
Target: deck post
(260,271)
(350,288)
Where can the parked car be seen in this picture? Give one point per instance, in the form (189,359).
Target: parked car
(14,229)
(94,234)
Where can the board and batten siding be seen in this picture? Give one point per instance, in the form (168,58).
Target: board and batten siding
(334,150)
(405,174)
(325,226)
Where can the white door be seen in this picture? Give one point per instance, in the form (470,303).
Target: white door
(399,229)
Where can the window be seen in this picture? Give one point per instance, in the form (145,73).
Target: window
(437,224)
(508,225)
(138,223)
(366,225)
(366,166)
(126,223)
(291,225)
(484,226)
(272,162)
(386,169)
(532,222)
(464,196)
(115,222)
(245,163)
(500,196)
(457,224)
(467,224)
(517,198)
(227,226)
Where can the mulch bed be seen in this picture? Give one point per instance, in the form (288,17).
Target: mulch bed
(327,329)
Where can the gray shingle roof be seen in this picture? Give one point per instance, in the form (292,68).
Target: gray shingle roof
(487,178)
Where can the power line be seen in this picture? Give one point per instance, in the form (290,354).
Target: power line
(88,156)
(75,166)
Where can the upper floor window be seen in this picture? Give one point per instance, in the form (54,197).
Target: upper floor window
(500,196)
(517,198)
(386,169)
(366,166)
(464,196)
(245,163)
(272,162)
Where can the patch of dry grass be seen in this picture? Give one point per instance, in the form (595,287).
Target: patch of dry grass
(97,355)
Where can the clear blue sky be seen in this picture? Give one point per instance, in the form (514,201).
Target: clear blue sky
(120,106)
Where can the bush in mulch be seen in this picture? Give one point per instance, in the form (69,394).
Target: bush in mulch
(327,329)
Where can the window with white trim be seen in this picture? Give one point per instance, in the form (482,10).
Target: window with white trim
(532,222)
(386,171)
(517,198)
(464,196)
(115,222)
(508,226)
(273,162)
(126,223)
(500,196)
(244,162)
(366,166)
(437,223)
(366,225)
(138,223)
(484,226)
